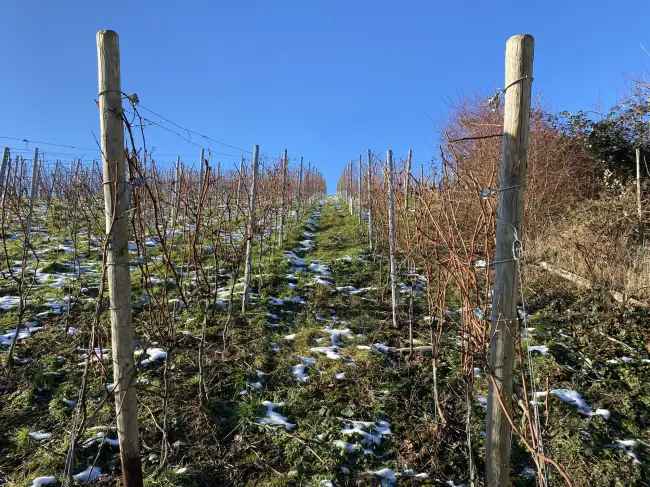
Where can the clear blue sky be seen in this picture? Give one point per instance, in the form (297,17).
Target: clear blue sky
(326,79)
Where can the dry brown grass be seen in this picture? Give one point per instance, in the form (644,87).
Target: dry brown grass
(599,241)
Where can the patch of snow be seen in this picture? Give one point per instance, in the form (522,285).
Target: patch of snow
(273,417)
(299,371)
(155,355)
(386,477)
(575,399)
(542,349)
(371,433)
(39,435)
(89,475)
(329,352)
(382,347)
(625,360)
(9,302)
(482,400)
(45,480)
(628,447)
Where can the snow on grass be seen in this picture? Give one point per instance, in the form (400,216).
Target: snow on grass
(100,439)
(299,371)
(628,447)
(624,360)
(541,349)
(361,290)
(26,331)
(40,435)
(89,475)
(337,335)
(575,399)
(294,260)
(482,400)
(322,281)
(330,352)
(9,302)
(155,355)
(319,268)
(273,417)
(45,480)
(382,348)
(386,476)
(372,433)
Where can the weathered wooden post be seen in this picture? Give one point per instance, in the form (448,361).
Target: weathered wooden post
(33,193)
(639,209)
(370,243)
(360,189)
(201,165)
(391,233)
(250,230)
(299,209)
(119,282)
(3,168)
(407,182)
(283,209)
(350,189)
(512,180)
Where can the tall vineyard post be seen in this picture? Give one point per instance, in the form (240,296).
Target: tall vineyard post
(116,202)
(512,180)
(250,228)
(391,233)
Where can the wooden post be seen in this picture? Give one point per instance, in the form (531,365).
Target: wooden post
(370,243)
(391,234)
(240,178)
(33,193)
(250,230)
(3,168)
(201,169)
(639,209)
(285,166)
(119,282)
(407,183)
(298,211)
(177,193)
(512,180)
(350,191)
(7,176)
(360,189)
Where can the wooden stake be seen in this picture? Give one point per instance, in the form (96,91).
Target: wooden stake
(639,210)
(285,166)
(512,180)
(201,169)
(407,183)
(298,212)
(360,189)
(250,230)
(33,192)
(370,243)
(391,234)
(3,168)
(116,199)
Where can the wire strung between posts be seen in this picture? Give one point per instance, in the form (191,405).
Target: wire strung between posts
(517,254)
(495,100)
(135,101)
(485,193)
